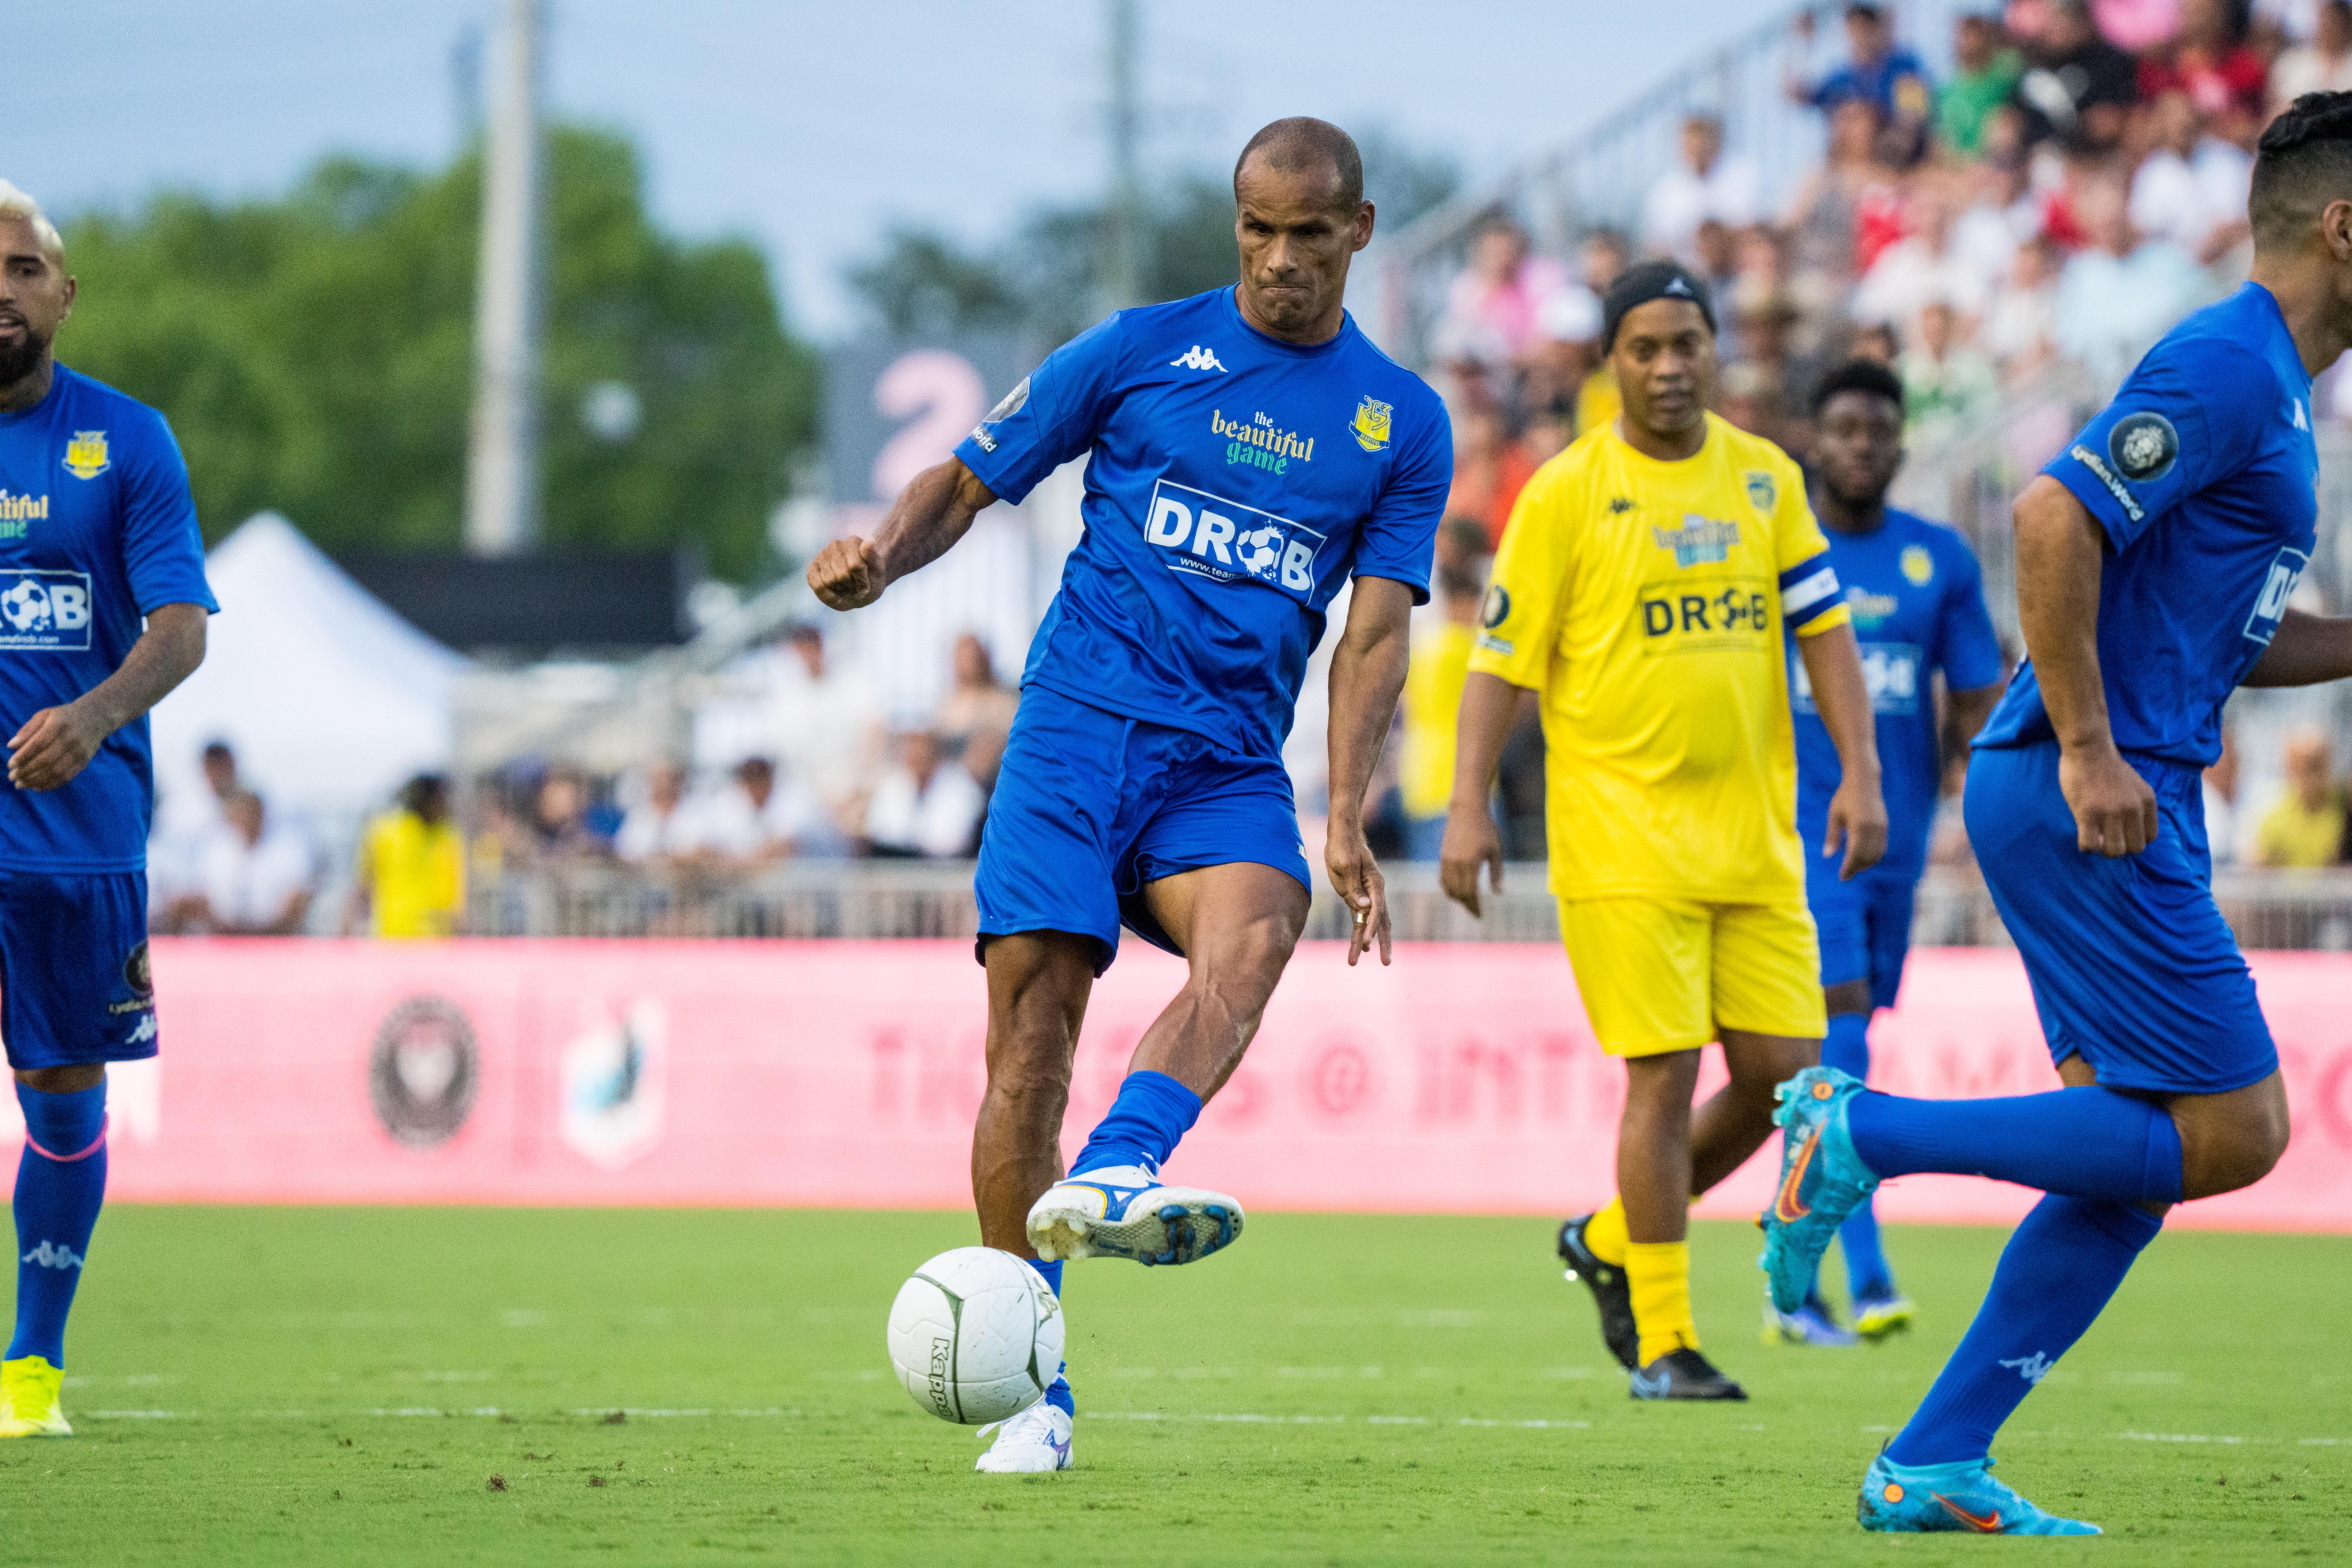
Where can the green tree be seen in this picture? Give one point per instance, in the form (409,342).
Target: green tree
(314,355)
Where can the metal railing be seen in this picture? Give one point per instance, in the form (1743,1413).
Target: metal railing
(866,899)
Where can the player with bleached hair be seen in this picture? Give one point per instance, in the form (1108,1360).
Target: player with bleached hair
(96,531)
(1249,454)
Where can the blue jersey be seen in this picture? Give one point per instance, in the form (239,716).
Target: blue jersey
(1236,482)
(2203,474)
(1918,601)
(95,529)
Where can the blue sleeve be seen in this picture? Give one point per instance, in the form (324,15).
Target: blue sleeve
(1834,88)
(1052,417)
(162,549)
(1968,649)
(1400,537)
(2177,426)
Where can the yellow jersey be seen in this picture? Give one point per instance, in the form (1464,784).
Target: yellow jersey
(1646,601)
(416,876)
(1432,706)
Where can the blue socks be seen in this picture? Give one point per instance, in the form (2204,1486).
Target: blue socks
(1059,1394)
(1152,1112)
(2082,1142)
(2057,1274)
(1049,1272)
(60,1182)
(1847,1048)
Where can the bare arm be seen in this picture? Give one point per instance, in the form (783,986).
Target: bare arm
(57,743)
(1490,705)
(1857,814)
(2060,548)
(929,515)
(1367,673)
(2306,650)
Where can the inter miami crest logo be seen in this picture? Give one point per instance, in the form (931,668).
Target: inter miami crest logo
(424,1070)
(2143,447)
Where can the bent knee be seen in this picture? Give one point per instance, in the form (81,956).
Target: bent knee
(2234,1154)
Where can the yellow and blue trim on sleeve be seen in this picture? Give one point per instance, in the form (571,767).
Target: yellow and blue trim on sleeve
(1810,600)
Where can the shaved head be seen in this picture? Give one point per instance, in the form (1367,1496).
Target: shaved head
(2303,163)
(1301,145)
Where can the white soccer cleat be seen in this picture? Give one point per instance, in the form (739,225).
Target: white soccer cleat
(1035,1441)
(1124,1212)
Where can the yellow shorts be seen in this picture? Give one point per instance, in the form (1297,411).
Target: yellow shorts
(1665,974)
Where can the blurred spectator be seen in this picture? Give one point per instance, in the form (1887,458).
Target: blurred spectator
(2190,189)
(2322,65)
(2291,21)
(2305,831)
(977,713)
(2208,61)
(2117,296)
(755,820)
(1704,184)
(1947,387)
(1922,267)
(1852,189)
(926,805)
(1491,467)
(1716,256)
(2220,792)
(1491,309)
(1751,396)
(1985,69)
(2021,331)
(828,733)
(1877,343)
(185,821)
(2137,25)
(2077,86)
(1434,679)
(1603,255)
(410,881)
(1878,71)
(556,826)
(1568,330)
(252,879)
(2002,213)
(659,827)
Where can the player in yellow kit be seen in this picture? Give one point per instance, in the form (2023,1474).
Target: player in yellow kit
(1644,589)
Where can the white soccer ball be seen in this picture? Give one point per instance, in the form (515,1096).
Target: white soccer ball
(27,606)
(976,1336)
(1260,549)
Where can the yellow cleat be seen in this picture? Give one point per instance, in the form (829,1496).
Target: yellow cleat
(29,1404)
(1875,1319)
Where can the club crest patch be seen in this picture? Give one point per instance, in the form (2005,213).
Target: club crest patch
(2143,447)
(1371,426)
(1918,565)
(86,456)
(1763,492)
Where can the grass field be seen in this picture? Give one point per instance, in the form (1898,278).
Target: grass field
(458,1386)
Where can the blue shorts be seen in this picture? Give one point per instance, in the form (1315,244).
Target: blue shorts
(1091,806)
(1865,924)
(2133,967)
(74,982)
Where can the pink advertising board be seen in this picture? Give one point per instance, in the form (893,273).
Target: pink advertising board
(1464,1080)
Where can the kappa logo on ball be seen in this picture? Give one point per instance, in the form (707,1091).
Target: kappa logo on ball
(44,609)
(1229,541)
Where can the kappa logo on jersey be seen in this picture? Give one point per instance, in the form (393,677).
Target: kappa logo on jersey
(1371,426)
(44,609)
(1230,541)
(2144,446)
(86,456)
(2278,587)
(1619,506)
(1197,358)
(2302,420)
(1699,541)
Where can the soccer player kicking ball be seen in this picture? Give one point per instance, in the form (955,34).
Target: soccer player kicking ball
(1917,602)
(2156,556)
(1643,588)
(96,530)
(1250,452)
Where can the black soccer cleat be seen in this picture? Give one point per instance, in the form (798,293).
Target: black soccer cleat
(1610,1293)
(1684,1375)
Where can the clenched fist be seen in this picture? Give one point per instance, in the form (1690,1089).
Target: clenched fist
(847,573)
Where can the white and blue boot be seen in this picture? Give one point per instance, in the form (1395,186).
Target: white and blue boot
(1122,1211)
(1035,1441)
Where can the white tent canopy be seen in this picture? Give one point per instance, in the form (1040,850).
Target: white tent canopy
(330,700)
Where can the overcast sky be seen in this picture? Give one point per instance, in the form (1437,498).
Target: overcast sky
(809,127)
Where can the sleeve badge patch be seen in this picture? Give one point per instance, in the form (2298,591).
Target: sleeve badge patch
(2143,447)
(1763,492)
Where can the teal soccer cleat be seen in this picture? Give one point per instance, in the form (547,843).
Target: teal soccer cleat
(1911,1499)
(1822,1180)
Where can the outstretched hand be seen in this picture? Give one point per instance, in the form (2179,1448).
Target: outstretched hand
(1356,877)
(847,573)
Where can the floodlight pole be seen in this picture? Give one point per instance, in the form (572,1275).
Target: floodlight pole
(502,457)
(1123,248)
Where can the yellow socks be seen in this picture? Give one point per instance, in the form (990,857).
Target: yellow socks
(1604,1233)
(1658,1275)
